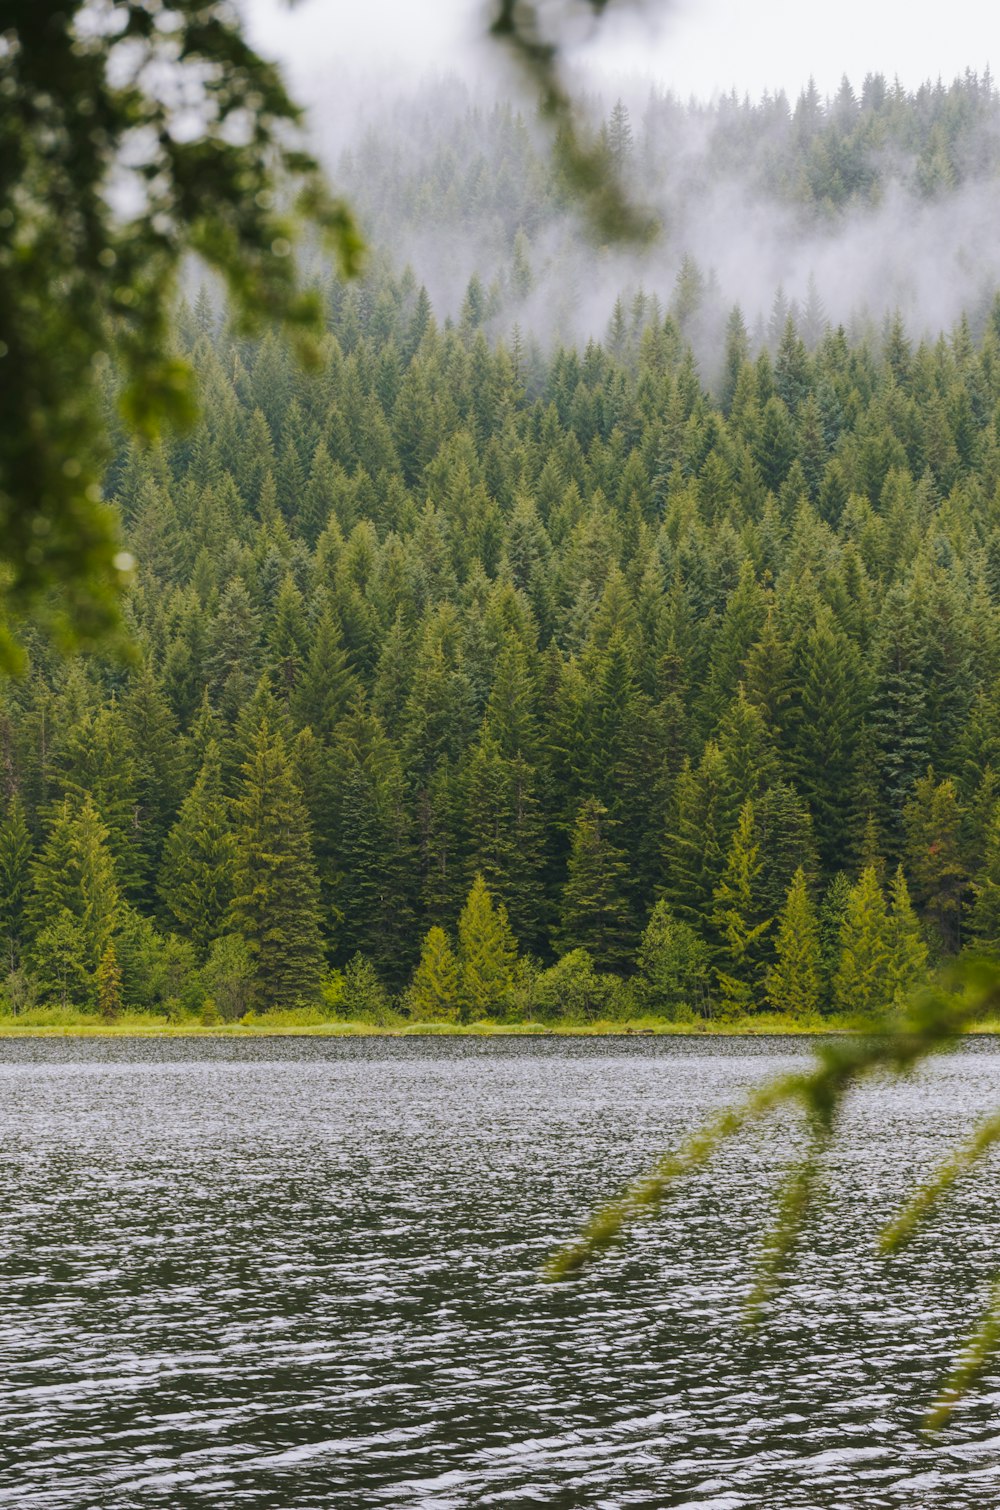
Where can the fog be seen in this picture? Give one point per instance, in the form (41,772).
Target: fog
(436,173)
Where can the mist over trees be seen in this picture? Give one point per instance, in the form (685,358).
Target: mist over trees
(875,200)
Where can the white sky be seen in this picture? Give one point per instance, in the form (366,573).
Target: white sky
(695,47)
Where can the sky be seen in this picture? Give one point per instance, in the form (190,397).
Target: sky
(694,47)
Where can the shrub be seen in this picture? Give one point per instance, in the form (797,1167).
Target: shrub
(674,967)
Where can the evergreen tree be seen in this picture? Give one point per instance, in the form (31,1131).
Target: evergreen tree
(907,950)
(199,857)
(595,913)
(932,821)
(738,926)
(108,984)
(15,856)
(74,905)
(984,917)
(487,955)
(435,991)
(864,981)
(793,982)
(674,966)
(275,903)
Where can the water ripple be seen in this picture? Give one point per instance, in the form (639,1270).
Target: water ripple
(284,1275)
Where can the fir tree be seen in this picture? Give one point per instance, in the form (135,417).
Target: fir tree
(595,913)
(738,927)
(793,982)
(907,950)
(435,991)
(487,955)
(275,904)
(864,982)
(108,984)
(197,874)
(15,856)
(74,905)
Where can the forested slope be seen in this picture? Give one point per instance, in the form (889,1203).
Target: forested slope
(615,638)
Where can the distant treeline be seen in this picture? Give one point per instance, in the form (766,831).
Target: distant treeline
(538,648)
(474,199)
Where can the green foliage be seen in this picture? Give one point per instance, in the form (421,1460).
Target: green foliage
(197,873)
(793,982)
(15,854)
(75,905)
(735,917)
(595,913)
(487,954)
(108,983)
(434,993)
(574,989)
(229,978)
(275,903)
(364,998)
(674,967)
(78,278)
(863,982)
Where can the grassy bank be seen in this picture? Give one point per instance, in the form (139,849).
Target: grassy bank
(52,1022)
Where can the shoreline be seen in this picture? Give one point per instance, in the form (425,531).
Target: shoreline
(134,1026)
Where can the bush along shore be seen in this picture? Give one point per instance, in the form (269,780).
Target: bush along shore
(481,983)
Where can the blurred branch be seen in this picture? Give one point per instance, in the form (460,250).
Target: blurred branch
(585,165)
(934,1020)
(131,133)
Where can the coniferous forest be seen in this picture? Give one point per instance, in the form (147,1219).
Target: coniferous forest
(479,676)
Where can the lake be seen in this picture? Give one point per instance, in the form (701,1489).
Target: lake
(293,1273)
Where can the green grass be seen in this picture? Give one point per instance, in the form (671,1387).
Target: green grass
(56,1022)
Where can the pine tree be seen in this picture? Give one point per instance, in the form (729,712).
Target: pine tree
(435,992)
(505,835)
(108,984)
(907,950)
(738,927)
(932,822)
(74,905)
(197,874)
(674,965)
(487,955)
(793,982)
(984,918)
(863,982)
(15,856)
(275,905)
(595,913)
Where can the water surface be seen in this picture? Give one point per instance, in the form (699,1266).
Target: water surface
(297,1273)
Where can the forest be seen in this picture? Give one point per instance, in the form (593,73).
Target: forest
(479,676)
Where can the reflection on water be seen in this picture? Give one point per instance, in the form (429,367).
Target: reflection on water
(298,1273)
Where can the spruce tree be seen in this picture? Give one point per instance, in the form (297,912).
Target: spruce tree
(435,991)
(932,822)
(74,905)
(984,916)
(793,982)
(15,856)
(197,874)
(108,983)
(275,904)
(863,982)
(735,917)
(487,955)
(595,913)
(907,950)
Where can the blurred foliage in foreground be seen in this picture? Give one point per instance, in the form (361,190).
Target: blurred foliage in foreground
(130,134)
(933,1020)
(134,132)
